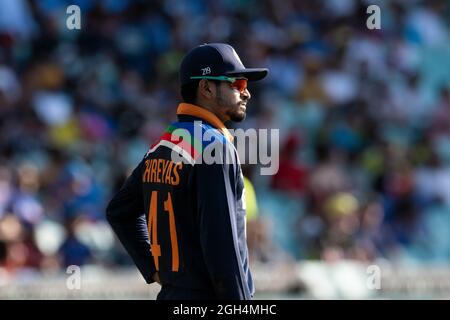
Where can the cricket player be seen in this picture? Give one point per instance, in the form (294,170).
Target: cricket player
(182,218)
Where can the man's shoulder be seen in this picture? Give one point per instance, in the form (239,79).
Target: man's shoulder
(197,142)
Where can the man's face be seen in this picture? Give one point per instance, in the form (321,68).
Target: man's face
(230,103)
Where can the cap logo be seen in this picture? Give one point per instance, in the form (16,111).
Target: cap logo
(206,71)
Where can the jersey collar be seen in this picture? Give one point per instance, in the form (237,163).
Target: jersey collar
(208,116)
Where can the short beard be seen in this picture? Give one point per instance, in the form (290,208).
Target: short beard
(236,117)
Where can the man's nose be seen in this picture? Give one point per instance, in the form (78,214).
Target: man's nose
(246,94)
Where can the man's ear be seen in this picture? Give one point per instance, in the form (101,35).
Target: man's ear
(206,89)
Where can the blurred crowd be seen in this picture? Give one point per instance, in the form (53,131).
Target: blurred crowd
(364,119)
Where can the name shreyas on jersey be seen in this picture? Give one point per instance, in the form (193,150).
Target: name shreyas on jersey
(162,171)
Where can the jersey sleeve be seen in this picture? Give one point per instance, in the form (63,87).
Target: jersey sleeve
(125,214)
(216,219)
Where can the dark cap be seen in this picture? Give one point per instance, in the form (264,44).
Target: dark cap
(216,59)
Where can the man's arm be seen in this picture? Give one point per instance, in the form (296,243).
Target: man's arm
(125,214)
(216,221)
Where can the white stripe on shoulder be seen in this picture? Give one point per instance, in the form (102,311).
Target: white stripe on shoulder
(175,148)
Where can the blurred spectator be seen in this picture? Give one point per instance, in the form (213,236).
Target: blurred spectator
(291,176)
(73,251)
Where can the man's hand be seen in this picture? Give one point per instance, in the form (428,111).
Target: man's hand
(156,278)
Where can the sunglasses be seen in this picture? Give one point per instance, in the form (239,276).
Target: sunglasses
(239,84)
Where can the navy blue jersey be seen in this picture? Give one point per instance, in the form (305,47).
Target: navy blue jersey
(182,215)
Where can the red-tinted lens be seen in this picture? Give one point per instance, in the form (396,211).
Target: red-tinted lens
(239,84)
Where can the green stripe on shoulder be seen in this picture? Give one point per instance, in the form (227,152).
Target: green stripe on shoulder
(195,143)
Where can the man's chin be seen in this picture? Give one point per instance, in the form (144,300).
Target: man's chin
(238,117)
